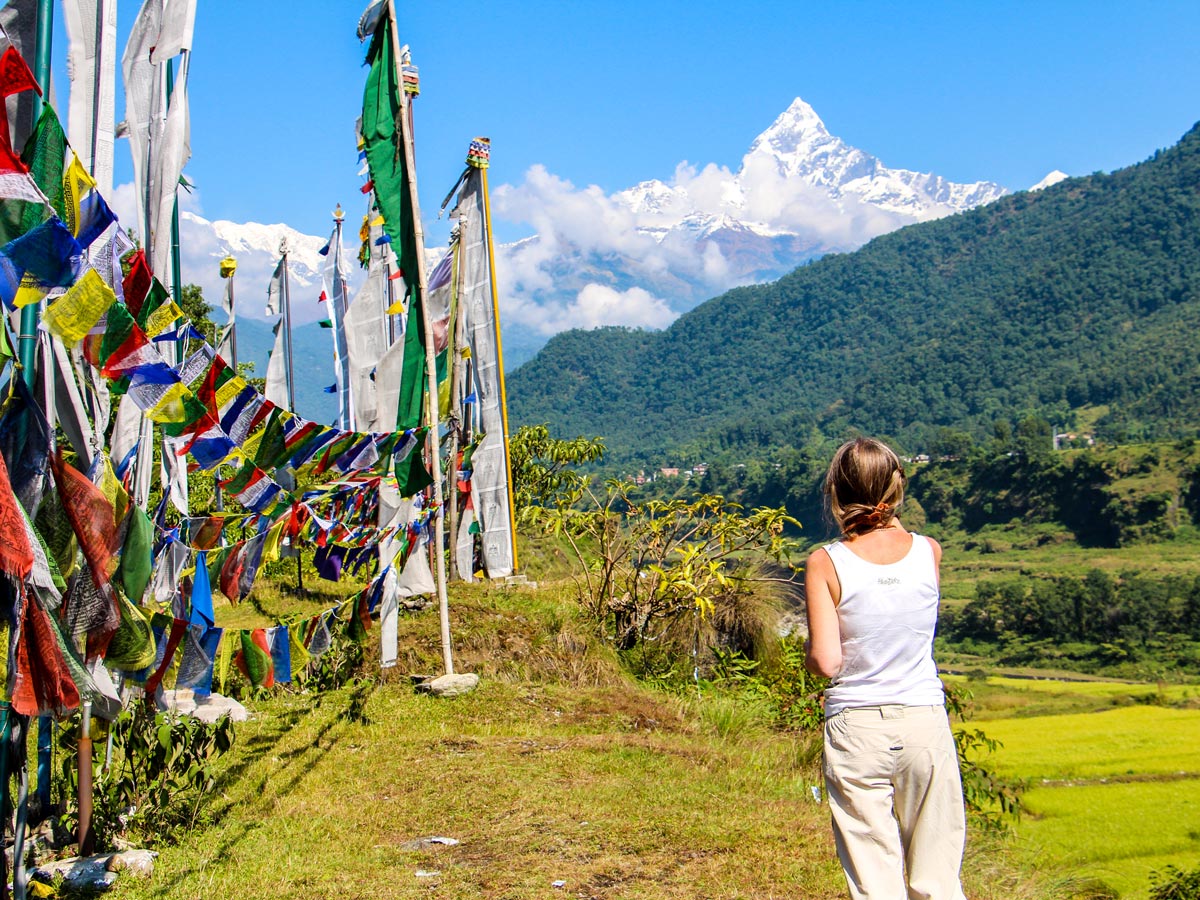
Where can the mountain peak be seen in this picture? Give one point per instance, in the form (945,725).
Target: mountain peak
(1053,178)
(799,146)
(800,113)
(797,126)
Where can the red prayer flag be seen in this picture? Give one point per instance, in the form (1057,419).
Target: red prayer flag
(91,517)
(43,683)
(16,553)
(136,284)
(15,75)
(231,574)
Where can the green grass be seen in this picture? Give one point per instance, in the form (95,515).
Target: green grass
(1114,793)
(1000,697)
(558,767)
(1134,741)
(1118,833)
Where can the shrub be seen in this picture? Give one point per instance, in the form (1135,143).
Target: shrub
(1172,883)
(161,770)
(665,575)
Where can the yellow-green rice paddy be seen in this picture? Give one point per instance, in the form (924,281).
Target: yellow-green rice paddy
(1114,793)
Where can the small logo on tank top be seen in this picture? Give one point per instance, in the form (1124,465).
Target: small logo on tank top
(888,581)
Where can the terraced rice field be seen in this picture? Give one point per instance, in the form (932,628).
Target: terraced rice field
(1114,793)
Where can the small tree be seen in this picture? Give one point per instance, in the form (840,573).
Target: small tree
(542,466)
(653,572)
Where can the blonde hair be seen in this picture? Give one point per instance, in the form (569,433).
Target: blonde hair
(864,486)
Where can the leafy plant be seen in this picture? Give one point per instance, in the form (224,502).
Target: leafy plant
(792,693)
(161,770)
(542,466)
(1172,883)
(341,664)
(991,800)
(655,574)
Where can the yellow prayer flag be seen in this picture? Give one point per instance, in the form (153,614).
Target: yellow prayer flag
(76,182)
(29,291)
(229,390)
(272,542)
(300,657)
(73,315)
(112,489)
(170,408)
(396,308)
(250,445)
(163,318)
(225,654)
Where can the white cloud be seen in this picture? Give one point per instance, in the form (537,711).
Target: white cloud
(594,306)
(593,252)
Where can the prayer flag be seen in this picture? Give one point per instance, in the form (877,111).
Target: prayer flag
(72,315)
(275,289)
(382,111)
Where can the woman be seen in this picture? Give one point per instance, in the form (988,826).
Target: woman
(891,769)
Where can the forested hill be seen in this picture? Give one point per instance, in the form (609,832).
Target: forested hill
(1084,295)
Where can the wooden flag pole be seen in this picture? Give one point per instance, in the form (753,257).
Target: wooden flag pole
(487,228)
(456,429)
(430,355)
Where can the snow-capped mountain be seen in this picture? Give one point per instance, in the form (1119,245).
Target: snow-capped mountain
(799,193)
(801,147)
(644,255)
(1052,179)
(257,249)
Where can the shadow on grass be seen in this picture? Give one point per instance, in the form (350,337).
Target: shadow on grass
(298,762)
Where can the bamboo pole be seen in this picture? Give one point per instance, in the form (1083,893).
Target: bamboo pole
(287,333)
(406,133)
(460,333)
(487,226)
(290,378)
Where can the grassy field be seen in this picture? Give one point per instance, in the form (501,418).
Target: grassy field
(1114,790)
(559,777)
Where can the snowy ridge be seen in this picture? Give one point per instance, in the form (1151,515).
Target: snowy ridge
(1051,179)
(641,256)
(798,147)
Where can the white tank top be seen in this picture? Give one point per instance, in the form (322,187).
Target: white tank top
(887,615)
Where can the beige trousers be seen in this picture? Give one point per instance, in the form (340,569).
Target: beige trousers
(896,796)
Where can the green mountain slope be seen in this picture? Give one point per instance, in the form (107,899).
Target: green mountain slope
(1086,294)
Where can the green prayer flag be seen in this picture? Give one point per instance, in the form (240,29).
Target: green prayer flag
(387,164)
(271,449)
(193,411)
(132,646)
(412,476)
(155,298)
(137,555)
(216,561)
(255,662)
(45,153)
(117,329)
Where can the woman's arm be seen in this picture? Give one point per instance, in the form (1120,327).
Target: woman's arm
(823,652)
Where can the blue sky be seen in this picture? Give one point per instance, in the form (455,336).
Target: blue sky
(615,93)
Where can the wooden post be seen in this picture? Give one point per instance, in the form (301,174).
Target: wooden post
(406,133)
(86,837)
